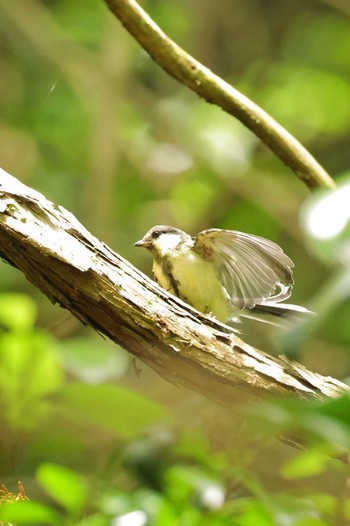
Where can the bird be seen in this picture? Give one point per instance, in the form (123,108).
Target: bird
(223,273)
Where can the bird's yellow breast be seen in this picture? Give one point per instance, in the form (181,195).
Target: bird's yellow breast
(195,281)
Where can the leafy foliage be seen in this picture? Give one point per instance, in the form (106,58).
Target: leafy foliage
(91,122)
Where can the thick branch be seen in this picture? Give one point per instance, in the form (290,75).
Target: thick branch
(214,90)
(83,275)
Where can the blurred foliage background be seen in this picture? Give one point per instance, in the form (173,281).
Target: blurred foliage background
(91,122)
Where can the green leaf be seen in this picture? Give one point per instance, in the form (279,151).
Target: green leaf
(29,371)
(29,512)
(94,361)
(95,520)
(305,464)
(65,486)
(256,513)
(114,408)
(184,481)
(324,502)
(327,421)
(17,311)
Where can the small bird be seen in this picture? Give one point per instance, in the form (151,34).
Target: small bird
(224,273)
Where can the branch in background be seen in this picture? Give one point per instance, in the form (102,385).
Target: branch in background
(341,5)
(58,255)
(214,90)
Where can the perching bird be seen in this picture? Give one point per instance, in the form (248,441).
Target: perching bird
(224,273)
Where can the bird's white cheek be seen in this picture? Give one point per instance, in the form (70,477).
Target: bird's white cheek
(167,243)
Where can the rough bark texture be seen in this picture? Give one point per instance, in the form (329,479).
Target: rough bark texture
(100,288)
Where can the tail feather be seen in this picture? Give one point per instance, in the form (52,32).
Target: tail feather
(276,313)
(282,309)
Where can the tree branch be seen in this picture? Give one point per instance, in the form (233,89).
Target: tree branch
(101,289)
(214,90)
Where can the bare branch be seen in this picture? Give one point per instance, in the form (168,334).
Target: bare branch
(214,90)
(101,289)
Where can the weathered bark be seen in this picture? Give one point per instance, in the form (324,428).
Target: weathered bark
(100,288)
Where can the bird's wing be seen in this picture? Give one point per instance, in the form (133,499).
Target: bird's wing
(252,269)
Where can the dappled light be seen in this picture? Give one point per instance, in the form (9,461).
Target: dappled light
(330,214)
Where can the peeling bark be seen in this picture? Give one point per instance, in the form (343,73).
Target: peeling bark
(83,275)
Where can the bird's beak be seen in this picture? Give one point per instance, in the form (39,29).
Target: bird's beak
(140,243)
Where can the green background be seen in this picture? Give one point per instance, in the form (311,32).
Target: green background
(91,122)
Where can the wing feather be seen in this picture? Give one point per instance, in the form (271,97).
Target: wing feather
(252,269)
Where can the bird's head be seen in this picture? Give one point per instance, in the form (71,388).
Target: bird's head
(162,240)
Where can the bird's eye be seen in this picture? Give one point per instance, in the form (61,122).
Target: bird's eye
(155,234)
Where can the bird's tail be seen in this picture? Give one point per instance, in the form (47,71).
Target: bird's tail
(276,313)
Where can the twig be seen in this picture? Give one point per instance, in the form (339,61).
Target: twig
(214,90)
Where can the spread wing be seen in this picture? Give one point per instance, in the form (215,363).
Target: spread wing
(252,269)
